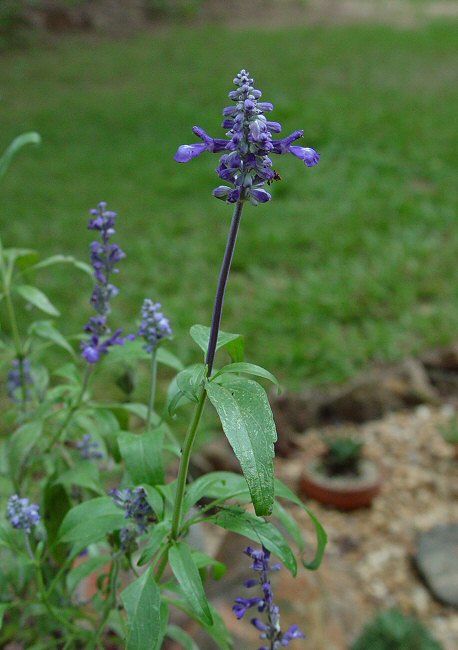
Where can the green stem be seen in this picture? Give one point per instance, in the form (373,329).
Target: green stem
(14,328)
(152,389)
(209,359)
(110,603)
(184,465)
(44,595)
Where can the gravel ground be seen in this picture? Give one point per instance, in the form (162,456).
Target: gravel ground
(368,563)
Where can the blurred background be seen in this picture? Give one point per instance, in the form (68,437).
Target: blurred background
(352,261)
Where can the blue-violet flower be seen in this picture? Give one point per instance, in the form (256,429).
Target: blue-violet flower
(154,326)
(245,163)
(22,514)
(270,629)
(104,257)
(135,506)
(89,448)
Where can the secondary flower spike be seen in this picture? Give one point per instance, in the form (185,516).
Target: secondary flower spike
(22,514)
(270,630)
(245,164)
(104,258)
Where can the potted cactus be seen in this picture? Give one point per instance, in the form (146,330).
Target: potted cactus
(340,476)
(392,630)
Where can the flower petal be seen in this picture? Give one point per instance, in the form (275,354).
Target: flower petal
(187,152)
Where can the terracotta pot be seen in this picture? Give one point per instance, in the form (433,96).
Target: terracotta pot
(344,493)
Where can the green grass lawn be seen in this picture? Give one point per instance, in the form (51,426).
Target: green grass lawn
(353,260)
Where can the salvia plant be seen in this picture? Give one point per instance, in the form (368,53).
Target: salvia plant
(96,530)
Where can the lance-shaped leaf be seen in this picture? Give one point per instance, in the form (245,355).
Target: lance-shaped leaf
(216,485)
(232,342)
(64,259)
(248,369)
(188,577)
(258,530)
(36,298)
(21,141)
(185,387)
(182,637)
(21,444)
(46,330)
(218,630)
(281,490)
(90,521)
(82,571)
(142,456)
(247,420)
(156,537)
(142,601)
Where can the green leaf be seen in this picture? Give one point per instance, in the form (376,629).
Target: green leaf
(157,535)
(85,474)
(140,410)
(215,485)
(182,637)
(83,570)
(233,342)
(21,444)
(185,387)
(175,398)
(203,561)
(46,330)
(18,143)
(142,602)
(69,372)
(155,499)
(189,381)
(90,521)
(247,420)
(247,369)
(258,530)
(7,537)
(168,359)
(218,630)
(56,504)
(282,491)
(289,524)
(142,456)
(37,298)
(164,614)
(64,259)
(187,575)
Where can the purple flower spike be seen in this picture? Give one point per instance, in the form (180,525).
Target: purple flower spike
(135,506)
(249,145)
(270,629)
(154,326)
(104,258)
(22,514)
(89,448)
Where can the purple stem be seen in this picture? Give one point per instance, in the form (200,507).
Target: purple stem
(222,282)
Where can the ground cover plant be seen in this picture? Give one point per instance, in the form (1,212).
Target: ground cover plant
(370,266)
(89,490)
